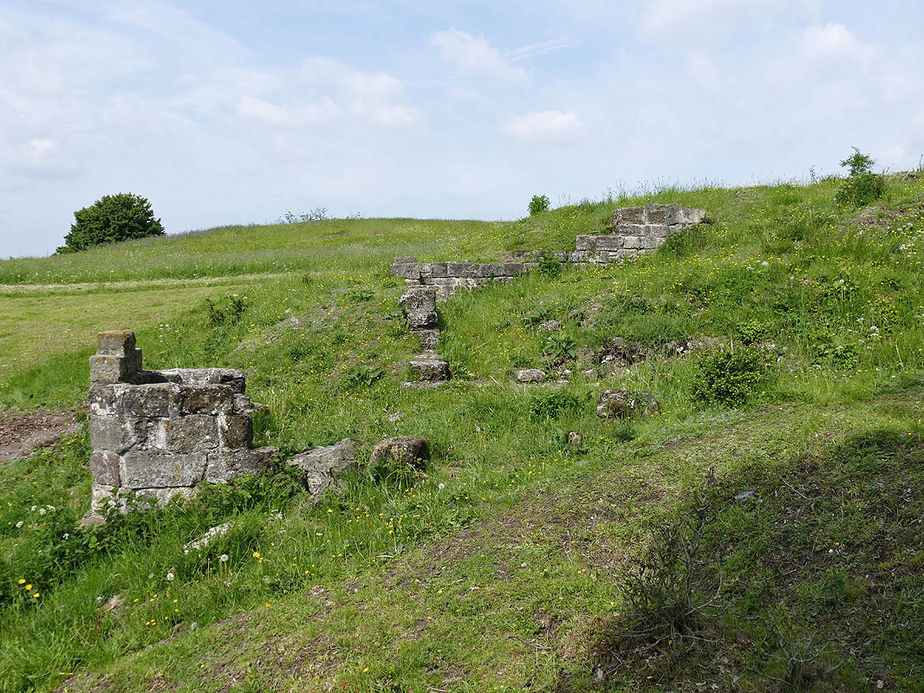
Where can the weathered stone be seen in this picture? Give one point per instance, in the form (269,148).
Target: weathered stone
(549,326)
(321,466)
(428,338)
(146,401)
(408,450)
(108,368)
(575,439)
(194,433)
(236,431)
(104,466)
(621,404)
(529,375)
(117,342)
(210,535)
(112,433)
(629,215)
(205,399)
(156,434)
(431,368)
(226,465)
(419,304)
(161,469)
(145,497)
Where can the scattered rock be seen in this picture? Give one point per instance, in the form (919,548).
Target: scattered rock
(321,466)
(575,439)
(207,538)
(549,326)
(409,450)
(744,496)
(428,338)
(431,368)
(529,375)
(621,404)
(394,418)
(114,603)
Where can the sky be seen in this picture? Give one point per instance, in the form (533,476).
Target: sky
(234,111)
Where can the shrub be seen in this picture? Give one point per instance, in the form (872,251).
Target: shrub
(539,203)
(862,186)
(729,377)
(548,264)
(111,219)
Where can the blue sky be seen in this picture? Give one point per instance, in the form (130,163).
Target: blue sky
(232,112)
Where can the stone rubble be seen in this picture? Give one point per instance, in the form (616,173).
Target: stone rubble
(322,466)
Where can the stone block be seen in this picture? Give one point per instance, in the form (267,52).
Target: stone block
(319,467)
(204,399)
(439,269)
(102,399)
(194,433)
(469,270)
(456,269)
(108,368)
(514,269)
(584,242)
(116,343)
(650,242)
(113,434)
(226,465)
(629,215)
(428,338)
(144,470)
(609,242)
(407,450)
(242,405)
(529,375)
(632,242)
(657,231)
(430,368)
(622,404)
(146,401)
(231,377)
(161,496)
(104,466)
(661,214)
(236,431)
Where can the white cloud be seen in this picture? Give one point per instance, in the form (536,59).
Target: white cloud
(703,70)
(835,42)
(543,123)
(473,55)
(293,115)
(697,19)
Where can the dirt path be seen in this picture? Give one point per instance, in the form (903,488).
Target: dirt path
(23,433)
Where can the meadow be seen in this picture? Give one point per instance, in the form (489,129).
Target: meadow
(503,566)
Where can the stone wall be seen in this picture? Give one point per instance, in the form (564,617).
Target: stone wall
(156,434)
(634,230)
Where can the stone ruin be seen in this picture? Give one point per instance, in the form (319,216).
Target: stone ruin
(419,305)
(156,434)
(634,230)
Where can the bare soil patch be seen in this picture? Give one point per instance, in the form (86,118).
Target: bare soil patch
(20,434)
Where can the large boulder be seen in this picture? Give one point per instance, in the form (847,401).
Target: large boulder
(320,467)
(623,404)
(407,450)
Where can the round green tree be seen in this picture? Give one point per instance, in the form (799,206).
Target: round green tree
(111,219)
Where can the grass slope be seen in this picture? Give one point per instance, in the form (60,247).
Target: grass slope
(503,565)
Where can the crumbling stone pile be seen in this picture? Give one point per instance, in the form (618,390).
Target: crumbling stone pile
(156,434)
(634,230)
(419,305)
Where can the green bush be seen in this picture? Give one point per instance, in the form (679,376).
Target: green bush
(539,203)
(862,186)
(111,219)
(729,377)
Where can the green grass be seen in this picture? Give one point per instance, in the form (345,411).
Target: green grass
(373,589)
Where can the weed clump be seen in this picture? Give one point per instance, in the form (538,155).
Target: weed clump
(538,204)
(729,377)
(862,186)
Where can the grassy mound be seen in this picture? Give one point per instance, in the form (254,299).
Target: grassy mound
(504,565)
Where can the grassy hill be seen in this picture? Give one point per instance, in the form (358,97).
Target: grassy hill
(518,561)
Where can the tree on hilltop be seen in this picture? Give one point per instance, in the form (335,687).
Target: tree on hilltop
(111,219)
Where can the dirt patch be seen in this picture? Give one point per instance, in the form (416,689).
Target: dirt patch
(23,433)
